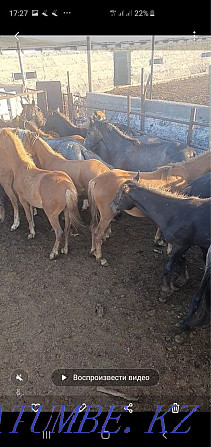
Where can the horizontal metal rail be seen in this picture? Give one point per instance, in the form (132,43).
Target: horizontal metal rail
(149,115)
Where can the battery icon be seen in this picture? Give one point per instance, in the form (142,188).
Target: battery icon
(152,13)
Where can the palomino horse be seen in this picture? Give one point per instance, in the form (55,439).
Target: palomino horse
(2,203)
(190,169)
(80,171)
(102,191)
(184,221)
(53,191)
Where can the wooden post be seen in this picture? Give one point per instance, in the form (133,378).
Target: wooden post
(88,40)
(21,63)
(128,109)
(191,125)
(142,101)
(152,66)
(71,111)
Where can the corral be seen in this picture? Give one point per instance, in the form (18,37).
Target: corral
(74,313)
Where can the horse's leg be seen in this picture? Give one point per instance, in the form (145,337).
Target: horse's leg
(107,233)
(85,205)
(158,239)
(99,232)
(169,249)
(10,193)
(175,257)
(54,221)
(204,253)
(66,231)
(29,216)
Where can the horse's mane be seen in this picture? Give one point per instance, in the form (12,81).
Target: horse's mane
(19,147)
(164,190)
(61,115)
(111,127)
(49,148)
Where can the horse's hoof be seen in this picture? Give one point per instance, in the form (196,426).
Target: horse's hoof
(160,243)
(64,250)
(14,226)
(31,235)
(92,254)
(104,262)
(53,255)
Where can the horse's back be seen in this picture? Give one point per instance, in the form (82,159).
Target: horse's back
(200,187)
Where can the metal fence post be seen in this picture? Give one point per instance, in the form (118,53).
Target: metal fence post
(128,109)
(88,40)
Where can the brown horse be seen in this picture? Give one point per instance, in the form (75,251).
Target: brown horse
(189,170)
(101,192)
(14,122)
(53,191)
(31,112)
(80,171)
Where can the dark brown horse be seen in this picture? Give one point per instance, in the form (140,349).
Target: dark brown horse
(59,123)
(31,112)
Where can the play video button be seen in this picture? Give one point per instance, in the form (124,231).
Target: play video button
(60,377)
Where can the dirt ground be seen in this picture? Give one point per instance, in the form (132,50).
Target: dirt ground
(193,90)
(74,313)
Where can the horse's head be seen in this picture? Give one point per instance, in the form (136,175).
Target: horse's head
(52,121)
(122,201)
(100,114)
(93,136)
(31,112)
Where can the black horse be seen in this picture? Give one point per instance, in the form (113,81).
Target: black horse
(199,311)
(200,187)
(184,221)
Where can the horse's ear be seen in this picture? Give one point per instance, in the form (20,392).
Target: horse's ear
(91,120)
(137,177)
(33,102)
(58,109)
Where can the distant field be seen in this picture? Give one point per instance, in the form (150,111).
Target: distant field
(53,65)
(193,90)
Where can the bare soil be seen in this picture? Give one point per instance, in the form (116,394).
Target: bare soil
(193,90)
(75,313)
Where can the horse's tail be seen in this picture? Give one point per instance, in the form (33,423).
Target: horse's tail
(199,312)
(72,206)
(95,215)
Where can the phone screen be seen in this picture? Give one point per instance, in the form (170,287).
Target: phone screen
(104,266)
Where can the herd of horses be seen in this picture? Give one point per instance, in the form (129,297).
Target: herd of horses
(52,164)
